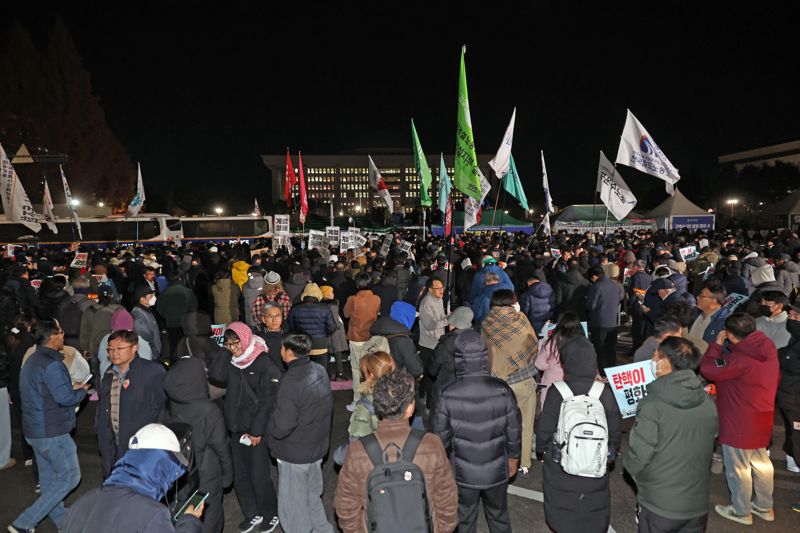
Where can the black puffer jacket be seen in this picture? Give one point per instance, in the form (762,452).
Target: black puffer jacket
(197,341)
(573,503)
(300,426)
(789,387)
(477,418)
(443,366)
(188,402)
(247,407)
(314,319)
(402,348)
(571,292)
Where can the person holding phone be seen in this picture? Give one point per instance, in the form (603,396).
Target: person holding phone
(135,488)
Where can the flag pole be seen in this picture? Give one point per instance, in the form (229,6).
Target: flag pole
(449,248)
(502,220)
(497,198)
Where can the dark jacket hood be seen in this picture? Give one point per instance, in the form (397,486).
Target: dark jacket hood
(388,326)
(574,277)
(755,261)
(791,266)
(541,290)
(404,312)
(681,388)
(186,381)
(147,472)
(578,358)
(471,356)
(196,323)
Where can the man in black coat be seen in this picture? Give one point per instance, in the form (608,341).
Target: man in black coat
(480,425)
(571,290)
(299,436)
(788,399)
(131,396)
(442,366)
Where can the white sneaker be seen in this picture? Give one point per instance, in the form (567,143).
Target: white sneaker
(523,470)
(28,462)
(351,407)
(791,465)
(269,527)
(248,526)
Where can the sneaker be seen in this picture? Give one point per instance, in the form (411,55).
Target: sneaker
(246,526)
(28,462)
(791,465)
(11,462)
(796,507)
(764,514)
(38,488)
(351,407)
(716,464)
(523,470)
(13,529)
(726,511)
(269,527)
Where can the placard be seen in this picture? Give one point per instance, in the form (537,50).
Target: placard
(733,301)
(98,278)
(629,385)
(316,239)
(218,333)
(405,246)
(555,252)
(627,275)
(387,243)
(80,261)
(281,224)
(688,253)
(36,283)
(332,234)
(550,326)
(354,231)
(358,240)
(345,242)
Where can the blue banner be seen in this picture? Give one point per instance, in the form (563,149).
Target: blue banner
(699,222)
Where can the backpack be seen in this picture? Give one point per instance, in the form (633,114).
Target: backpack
(582,433)
(397,501)
(70,315)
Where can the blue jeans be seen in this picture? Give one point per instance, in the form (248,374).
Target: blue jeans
(59,473)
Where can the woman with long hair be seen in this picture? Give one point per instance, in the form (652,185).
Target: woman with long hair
(373,366)
(548,360)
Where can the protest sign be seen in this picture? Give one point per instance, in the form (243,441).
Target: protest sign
(627,275)
(316,239)
(218,333)
(629,385)
(258,251)
(387,243)
(550,326)
(466,264)
(80,261)
(281,224)
(332,234)
(555,252)
(733,301)
(345,241)
(98,278)
(405,246)
(354,230)
(689,253)
(358,240)
(36,283)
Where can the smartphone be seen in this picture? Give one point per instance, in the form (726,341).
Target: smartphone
(195,500)
(86,379)
(244,439)
(720,362)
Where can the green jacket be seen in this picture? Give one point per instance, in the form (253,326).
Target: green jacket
(670,447)
(362,423)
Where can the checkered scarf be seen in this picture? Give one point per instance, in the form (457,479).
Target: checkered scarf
(510,339)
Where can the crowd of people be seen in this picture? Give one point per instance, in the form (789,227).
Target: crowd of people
(471,363)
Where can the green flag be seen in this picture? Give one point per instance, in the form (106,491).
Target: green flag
(423,170)
(466,178)
(513,186)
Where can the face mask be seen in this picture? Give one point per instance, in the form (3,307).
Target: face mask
(516,306)
(654,367)
(152,301)
(793,327)
(765,310)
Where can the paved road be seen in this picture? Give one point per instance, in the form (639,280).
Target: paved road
(16,487)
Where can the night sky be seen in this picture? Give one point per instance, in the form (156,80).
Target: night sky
(198,91)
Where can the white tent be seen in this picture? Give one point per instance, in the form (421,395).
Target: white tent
(677,212)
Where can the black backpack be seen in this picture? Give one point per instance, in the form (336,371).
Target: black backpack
(397,501)
(189,482)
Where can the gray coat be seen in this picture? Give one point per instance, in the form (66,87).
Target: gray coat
(250,291)
(144,322)
(338,340)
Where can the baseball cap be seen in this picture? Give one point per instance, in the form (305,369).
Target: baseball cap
(489,260)
(663,283)
(157,437)
(333,259)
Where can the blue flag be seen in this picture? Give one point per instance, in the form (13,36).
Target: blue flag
(513,186)
(444,186)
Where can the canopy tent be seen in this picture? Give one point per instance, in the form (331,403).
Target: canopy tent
(783,214)
(678,212)
(588,217)
(501,221)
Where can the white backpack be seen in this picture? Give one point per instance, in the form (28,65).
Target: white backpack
(582,432)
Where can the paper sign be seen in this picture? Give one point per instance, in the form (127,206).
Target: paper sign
(345,241)
(80,261)
(734,300)
(387,243)
(629,385)
(555,252)
(358,240)
(258,251)
(218,333)
(332,234)
(354,230)
(405,246)
(98,278)
(689,253)
(466,264)
(316,239)
(36,283)
(550,326)
(281,224)
(627,275)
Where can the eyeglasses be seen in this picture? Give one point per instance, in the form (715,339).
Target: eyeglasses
(118,348)
(273,317)
(229,344)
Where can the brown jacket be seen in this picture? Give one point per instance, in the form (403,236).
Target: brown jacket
(362,309)
(350,500)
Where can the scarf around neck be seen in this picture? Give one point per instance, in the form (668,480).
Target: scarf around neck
(253,345)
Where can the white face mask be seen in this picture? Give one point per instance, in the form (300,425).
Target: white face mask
(516,306)
(654,367)
(152,301)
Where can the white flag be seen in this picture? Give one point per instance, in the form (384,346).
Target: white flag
(377,184)
(546,225)
(47,207)
(548,200)
(639,150)
(70,204)
(500,162)
(16,204)
(614,192)
(138,201)
(256,210)
(472,207)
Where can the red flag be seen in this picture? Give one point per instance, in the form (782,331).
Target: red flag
(303,198)
(290,179)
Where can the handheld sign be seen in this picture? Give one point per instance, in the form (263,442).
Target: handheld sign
(281,224)
(345,241)
(629,385)
(387,243)
(80,261)
(627,275)
(353,230)
(218,333)
(332,234)
(555,252)
(734,300)
(316,239)
(689,253)
(36,283)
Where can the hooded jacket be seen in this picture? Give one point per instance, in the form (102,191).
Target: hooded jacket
(571,291)
(574,503)
(401,347)
(477,418)
(788,275)
(538,303)
(250,291)
(478,284)
(188,402)
(295,285)
(483,303)
(174,303)
(789,387)
(132,496)
(197,340)
(239,273)
(746,387)
(670,447)
(315,320)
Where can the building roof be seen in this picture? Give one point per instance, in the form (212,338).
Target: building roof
(677,204)
(788,206)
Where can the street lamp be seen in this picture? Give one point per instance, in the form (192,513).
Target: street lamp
(75,202)
(218,210)
(732,202)
(101,204)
